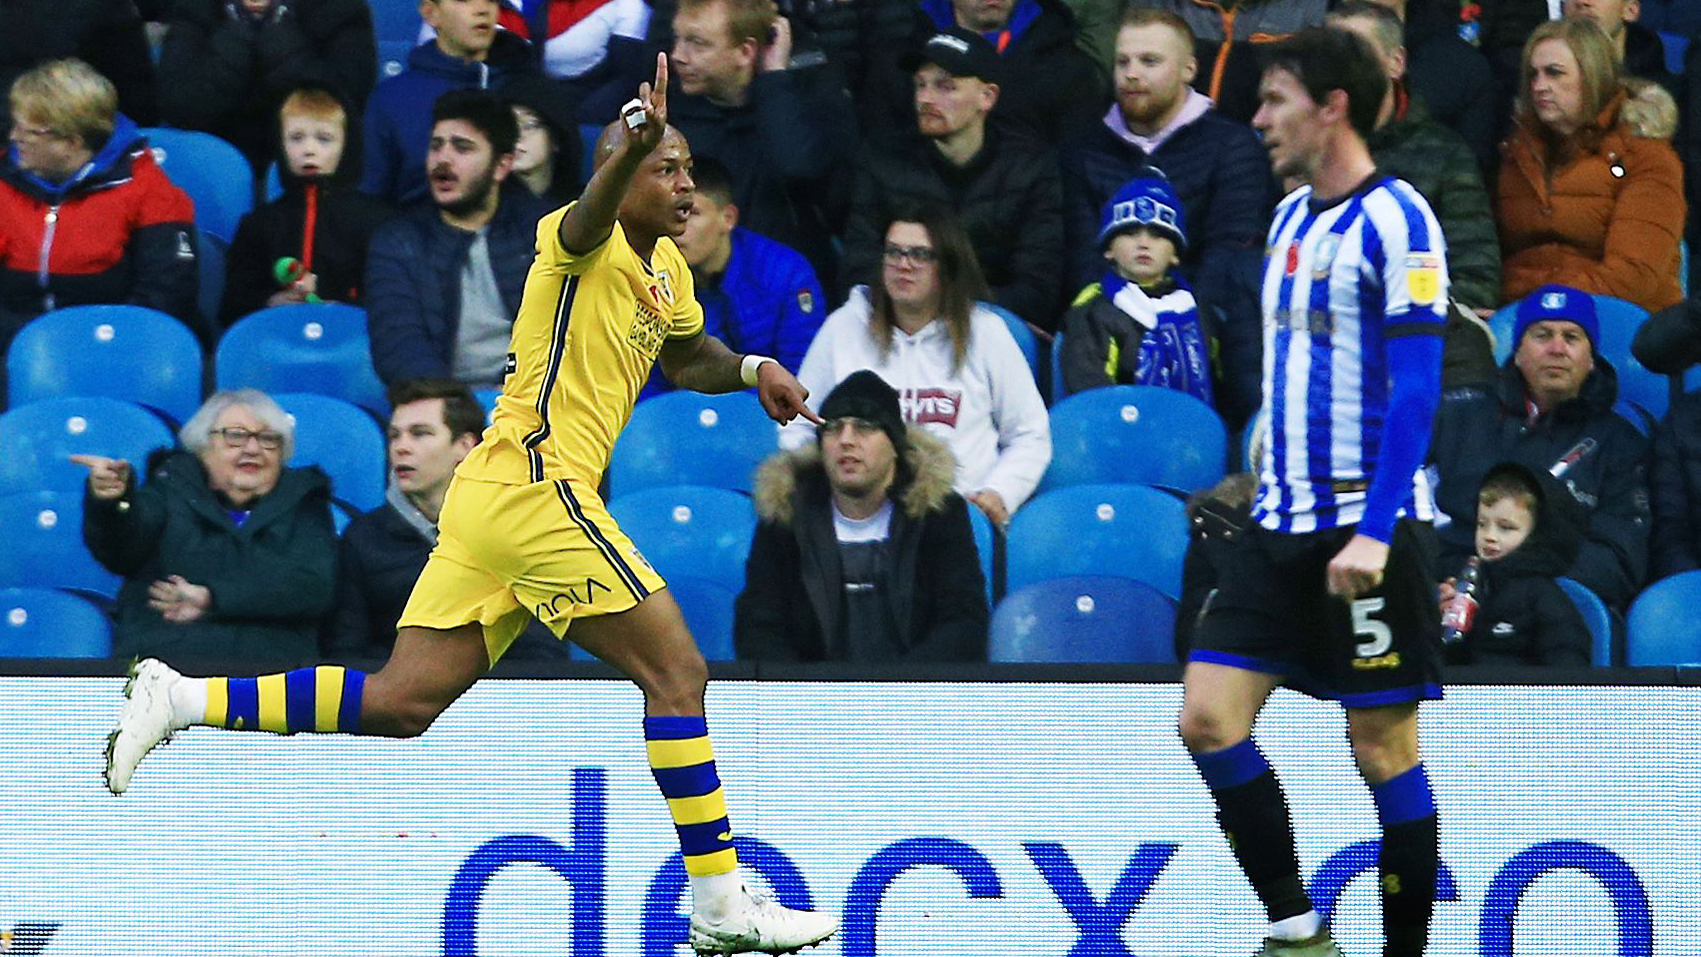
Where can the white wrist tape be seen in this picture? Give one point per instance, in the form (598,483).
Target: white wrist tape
(747,368)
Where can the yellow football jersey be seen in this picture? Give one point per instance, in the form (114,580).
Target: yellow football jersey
(588,333)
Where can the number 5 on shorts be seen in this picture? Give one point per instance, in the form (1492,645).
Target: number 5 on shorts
(1380,636)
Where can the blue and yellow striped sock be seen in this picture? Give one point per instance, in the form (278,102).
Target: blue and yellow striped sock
(684,766)
(326,698)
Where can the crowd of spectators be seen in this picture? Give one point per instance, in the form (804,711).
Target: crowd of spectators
(885,185)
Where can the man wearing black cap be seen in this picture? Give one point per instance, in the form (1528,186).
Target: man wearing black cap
(863,552)
(1052,87)
(1005,188)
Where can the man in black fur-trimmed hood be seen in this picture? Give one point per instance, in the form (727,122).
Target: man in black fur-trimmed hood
(863,552)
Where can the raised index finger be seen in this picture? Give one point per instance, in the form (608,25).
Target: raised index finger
(90,461)
(659,96)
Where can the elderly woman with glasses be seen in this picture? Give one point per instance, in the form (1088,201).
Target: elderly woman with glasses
(225,553)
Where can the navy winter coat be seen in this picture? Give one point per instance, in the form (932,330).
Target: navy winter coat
(413,282)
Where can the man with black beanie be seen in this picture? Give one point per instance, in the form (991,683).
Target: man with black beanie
(864,553)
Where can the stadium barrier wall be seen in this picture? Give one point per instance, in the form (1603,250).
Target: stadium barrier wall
(939,819)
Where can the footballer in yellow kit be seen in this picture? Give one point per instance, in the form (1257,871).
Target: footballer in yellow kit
(523,531)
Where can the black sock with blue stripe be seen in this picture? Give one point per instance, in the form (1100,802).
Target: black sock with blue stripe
(1408,861)
(1253,814)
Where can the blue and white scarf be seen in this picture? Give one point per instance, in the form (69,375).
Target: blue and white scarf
(1173,352)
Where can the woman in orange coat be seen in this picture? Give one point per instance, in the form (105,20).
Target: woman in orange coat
(1591,192)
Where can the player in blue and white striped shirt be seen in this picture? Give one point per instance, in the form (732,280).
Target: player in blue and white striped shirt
(1332,588)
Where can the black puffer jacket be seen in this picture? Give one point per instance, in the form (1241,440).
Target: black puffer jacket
(1438,163)
(1523,616)
(1009,198)
(224,73)
(1675,483)
(344,220)
(1477,427)
(271,577)
(1050,89)
(106,34)
(794,590)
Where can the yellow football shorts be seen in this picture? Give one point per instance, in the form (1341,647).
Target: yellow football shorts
(506,553)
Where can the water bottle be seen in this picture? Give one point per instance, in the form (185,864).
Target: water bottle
(1462,610)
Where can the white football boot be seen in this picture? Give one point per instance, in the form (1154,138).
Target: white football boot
(144,723)
(761,925)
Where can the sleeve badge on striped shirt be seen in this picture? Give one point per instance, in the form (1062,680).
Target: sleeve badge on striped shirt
(1423,278)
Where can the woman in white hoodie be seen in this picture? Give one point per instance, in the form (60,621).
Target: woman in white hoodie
(958,371)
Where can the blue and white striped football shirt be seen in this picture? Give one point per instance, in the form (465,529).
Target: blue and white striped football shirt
(1339,280)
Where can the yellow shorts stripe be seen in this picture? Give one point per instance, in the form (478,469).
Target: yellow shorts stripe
(709,865)
(327,696)
(698,810)
(218,702)
(274,712)
(679,752)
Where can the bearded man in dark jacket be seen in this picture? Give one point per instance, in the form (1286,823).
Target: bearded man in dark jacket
(1552,411)
(863,552)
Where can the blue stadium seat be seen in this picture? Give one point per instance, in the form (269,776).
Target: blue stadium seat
(342,439)
(310,347)
(43,532)
(1130,531)
(1664,629)
(44,623)
(1648,391)
(214,173)
(94,350)
(984,544)
(393,55)
(1022,334)
(274,183)
(211,268)
(1596,616)
(690,531)
(1135,434)
(487,400)
(708,610)
(395,21)
(37,440)
(687,438)
(1675,46)
(1084,619)
(1058,391)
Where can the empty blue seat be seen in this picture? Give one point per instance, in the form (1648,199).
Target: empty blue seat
(100,350)
(690,531)
(342,439)
(1021,333)
(1083,619)
(37,440)
(487,400)
(1595,616)
(708,610)
(43,532)
(395,21)
(214,173)
(1135,434)
(44,623)
(1130,531)
(1664,628)
(1059,391)
(687,438)
(310,347)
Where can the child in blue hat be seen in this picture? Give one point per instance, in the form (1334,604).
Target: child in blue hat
(1140,324)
